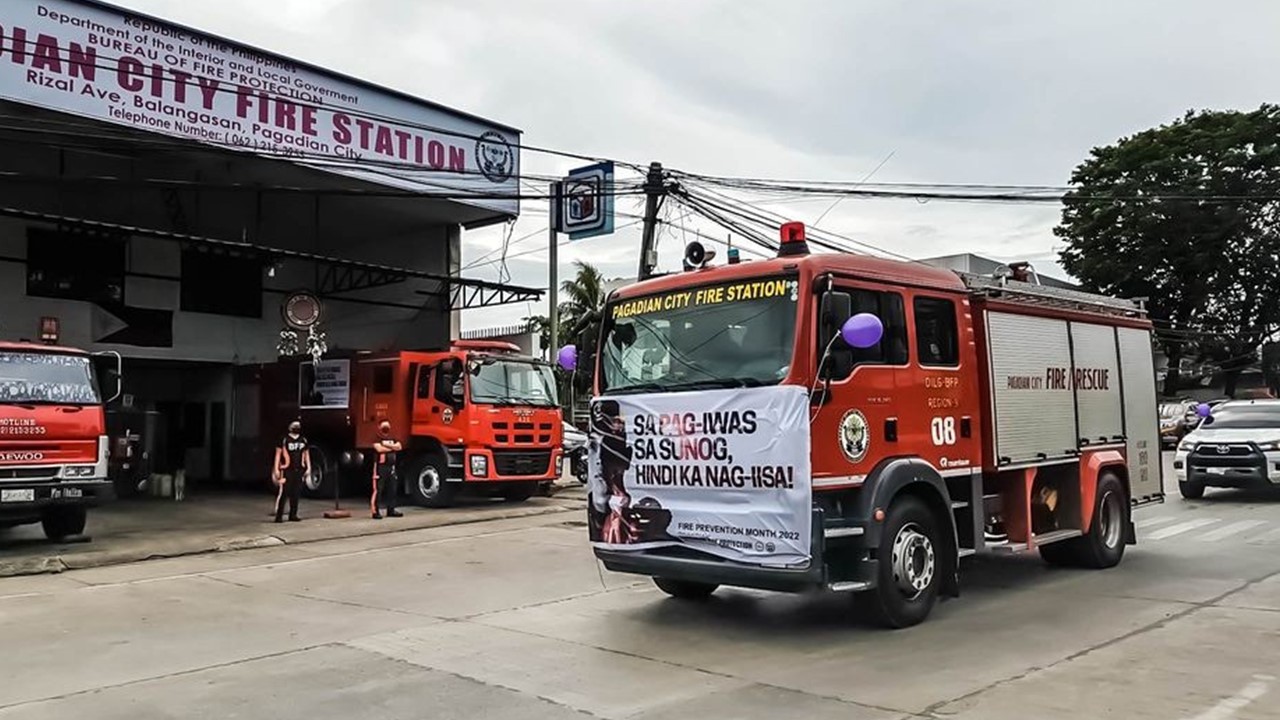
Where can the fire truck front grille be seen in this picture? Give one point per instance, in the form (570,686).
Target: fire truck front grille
(28,473)
(521,464)
(524,426)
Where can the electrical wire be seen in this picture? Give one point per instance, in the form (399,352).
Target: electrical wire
(445,192)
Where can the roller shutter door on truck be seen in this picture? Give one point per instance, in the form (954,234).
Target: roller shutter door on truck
(1096,375)
(1034,408)
(1141,415)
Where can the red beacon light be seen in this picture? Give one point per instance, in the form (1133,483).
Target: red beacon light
(793,240)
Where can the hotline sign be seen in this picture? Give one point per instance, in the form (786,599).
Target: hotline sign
(585,202)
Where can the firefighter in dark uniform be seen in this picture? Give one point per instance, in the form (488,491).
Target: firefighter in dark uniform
(384,473)
(293,465)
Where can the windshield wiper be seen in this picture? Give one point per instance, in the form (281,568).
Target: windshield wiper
(510,401)
(707,384)
(719,383)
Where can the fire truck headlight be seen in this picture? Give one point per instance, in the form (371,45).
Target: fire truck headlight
(559,465)
(78,471)
(479,466)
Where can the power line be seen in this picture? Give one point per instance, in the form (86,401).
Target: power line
(446,193)
(307,158)
(1010,194)
(531,251)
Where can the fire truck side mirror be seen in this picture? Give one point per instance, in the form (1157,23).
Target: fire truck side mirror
(835,358)
(109,367)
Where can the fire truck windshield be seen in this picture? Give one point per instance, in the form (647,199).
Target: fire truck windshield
(47,379)
(512,382)
(736,335)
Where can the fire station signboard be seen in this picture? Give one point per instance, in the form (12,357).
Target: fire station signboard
(725,472)
(108,64)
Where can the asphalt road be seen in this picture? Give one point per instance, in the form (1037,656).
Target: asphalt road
(513,619)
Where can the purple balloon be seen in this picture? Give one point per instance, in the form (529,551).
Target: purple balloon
(1203,410)
(862,331)
(568,357)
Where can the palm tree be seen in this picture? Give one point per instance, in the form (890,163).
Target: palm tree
(579,311)
(579,324)
(585,293)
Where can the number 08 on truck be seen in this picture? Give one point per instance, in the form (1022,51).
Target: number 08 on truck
(862,425)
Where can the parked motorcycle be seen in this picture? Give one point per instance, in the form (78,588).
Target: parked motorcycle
(575,450)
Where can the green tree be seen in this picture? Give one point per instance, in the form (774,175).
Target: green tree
(1186,215)
(582,298)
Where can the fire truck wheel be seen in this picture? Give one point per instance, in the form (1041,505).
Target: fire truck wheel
(1061,554)
(426,480)
(63,522)
(1103,546)
(909,569)
(685,590)
(1191,490)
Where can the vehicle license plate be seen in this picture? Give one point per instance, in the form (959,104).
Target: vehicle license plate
(16,496)
(1217,471)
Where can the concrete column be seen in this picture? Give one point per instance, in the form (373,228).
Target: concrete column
(453,263)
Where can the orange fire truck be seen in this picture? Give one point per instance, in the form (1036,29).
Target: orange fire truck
(53,442)
(859,424)
(477,416)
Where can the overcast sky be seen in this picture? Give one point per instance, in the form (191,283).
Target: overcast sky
(957,91)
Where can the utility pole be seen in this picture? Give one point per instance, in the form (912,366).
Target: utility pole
(553,292)
(655,190)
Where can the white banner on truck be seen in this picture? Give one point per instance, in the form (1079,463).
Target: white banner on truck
(325,385)
(111,65)
(725,472)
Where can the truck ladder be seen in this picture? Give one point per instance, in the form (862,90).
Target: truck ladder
(1044,295)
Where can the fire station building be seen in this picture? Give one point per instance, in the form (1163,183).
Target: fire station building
(168,194)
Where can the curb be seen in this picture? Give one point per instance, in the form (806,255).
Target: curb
(55,564)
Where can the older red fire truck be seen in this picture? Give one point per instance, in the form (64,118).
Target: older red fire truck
(859,424)
(53,441)
(476,416)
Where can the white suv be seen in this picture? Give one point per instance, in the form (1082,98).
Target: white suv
(1238,446)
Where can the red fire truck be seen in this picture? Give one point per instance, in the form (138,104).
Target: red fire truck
(53,442)
(859,424)
(476,416)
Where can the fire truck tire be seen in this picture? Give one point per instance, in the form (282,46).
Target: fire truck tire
(426,480)
(1103,546)
(1190,490)
(63,522)
(324,473)
(1060,554)
(685,590)
(910,567)
(520,492)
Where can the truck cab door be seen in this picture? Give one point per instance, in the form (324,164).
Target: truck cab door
(425,409)
(857,422)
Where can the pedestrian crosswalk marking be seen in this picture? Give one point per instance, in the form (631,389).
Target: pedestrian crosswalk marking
(1267,537)
(1180,528)
(1233,529)
(1152,521)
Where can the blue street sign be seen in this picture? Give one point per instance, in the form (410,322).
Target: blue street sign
(586,202)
